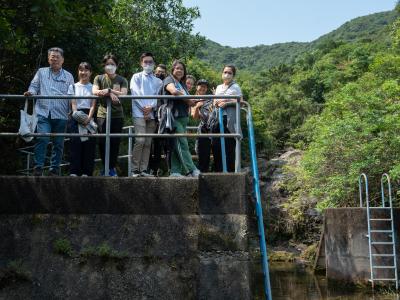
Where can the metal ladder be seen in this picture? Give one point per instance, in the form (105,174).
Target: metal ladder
(378,238)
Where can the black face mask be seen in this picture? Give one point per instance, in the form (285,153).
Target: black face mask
(161,76)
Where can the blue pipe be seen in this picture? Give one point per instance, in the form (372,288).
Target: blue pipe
(221,130)
(260,222)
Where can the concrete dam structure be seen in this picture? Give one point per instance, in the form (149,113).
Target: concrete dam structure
(344,250)
(124,238)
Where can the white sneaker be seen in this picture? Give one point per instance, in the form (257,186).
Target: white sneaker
(176,175)
(145,174)
(135,174)
(84,175)
(194,173)
(73,175)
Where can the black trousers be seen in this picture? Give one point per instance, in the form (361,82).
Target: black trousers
(115,127)
(82,153)
(204,152)
(230,146)
(155,153)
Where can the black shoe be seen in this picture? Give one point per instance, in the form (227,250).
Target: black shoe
(37,171)
(54,172)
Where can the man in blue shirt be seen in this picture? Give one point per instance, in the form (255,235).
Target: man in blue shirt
(52,113)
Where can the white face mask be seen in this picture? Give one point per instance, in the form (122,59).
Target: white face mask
(110,69)
(148,68)
(227,76)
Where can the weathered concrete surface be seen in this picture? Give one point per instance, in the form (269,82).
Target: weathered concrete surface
(100,195)
(346,244)
(124,238)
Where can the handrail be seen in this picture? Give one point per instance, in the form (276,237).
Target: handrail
(360,179)
(124,97)
(385,175)
(256,185)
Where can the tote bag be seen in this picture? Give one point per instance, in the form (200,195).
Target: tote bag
(28,122)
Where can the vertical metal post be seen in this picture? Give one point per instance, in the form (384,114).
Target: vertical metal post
(237,129)
(129,152)
(223,149)
(108,127)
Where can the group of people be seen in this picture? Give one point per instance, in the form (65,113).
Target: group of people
(150,115)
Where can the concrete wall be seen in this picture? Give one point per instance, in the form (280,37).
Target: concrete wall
(346,244)
(124,238)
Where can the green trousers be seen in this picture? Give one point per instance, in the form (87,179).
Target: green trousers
(181,158)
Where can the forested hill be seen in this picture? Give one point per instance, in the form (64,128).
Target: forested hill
(260,57)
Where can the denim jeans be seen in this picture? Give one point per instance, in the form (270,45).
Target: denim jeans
(48,125)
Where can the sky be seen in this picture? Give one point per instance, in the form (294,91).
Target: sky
(239,23)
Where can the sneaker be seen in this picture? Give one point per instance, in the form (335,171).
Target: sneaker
(54,172)
(135,173)
(194,173)
(73,175)
(113,172)
(176,175)
(84,175)
(145,174)
(37,171)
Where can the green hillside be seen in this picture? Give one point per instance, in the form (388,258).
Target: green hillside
(262,57)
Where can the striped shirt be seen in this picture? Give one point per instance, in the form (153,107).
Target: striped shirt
(47,83)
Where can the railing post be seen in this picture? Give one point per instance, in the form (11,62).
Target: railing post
(108,127)
(129,151)
(360,189)
(237,129)
(222,140)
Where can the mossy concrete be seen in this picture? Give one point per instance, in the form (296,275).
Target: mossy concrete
(124,238)
(345,250)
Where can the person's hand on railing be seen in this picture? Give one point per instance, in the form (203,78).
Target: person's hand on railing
(219,103)
(102,93)
(114,98)
(27,94)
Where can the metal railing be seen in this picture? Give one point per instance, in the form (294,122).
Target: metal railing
(108,135)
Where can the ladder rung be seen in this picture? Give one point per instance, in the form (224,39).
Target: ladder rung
(383,231)
(380,219)
(383,267)
(383,255)
(381,243)
(383,279)
(379,207)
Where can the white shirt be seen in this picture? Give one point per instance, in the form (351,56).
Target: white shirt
(143,84)
(82,90)
(233,90)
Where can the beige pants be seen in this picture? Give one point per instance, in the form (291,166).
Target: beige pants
(141,149)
